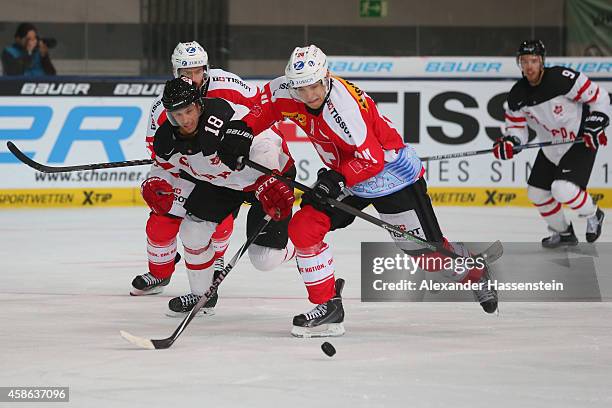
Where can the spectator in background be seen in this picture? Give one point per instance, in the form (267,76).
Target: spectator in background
(28,55)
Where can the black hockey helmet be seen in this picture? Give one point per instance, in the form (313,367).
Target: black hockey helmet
(179,93)
(531,47)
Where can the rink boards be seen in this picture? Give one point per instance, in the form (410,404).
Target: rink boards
(85,120)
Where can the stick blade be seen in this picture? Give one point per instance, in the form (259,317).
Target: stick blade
(493,252)
(22,157)
(137,341)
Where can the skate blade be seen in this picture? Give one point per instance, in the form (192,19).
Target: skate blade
(203,312)
(324,330)
(153,291)
(564,245)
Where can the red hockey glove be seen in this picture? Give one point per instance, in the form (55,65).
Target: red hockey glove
(276,197)
(594,126)
(504,148)
(158,194)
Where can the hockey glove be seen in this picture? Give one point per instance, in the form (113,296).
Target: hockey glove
(505,147)
(594,126)
(276,197)
(235,142)
(158,194)
(329,184)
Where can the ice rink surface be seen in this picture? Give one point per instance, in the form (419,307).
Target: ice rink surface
(64,297)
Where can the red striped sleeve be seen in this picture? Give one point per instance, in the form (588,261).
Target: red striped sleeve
(584,88)
(515,118)
(165,166)
(594,96)
(162,118)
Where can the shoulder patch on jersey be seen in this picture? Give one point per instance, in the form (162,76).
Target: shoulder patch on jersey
(300,117)
(355,92)
(231,79)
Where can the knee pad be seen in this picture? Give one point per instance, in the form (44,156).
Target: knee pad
(162,229)
(565,191)
(265,258)
(308,227)
(196,233)
(408,221)
(539,196)
(574,197)
(222,234)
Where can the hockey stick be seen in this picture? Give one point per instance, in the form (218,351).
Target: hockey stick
(358,213)
(60,169)
(485,151)
(151,344)
(129,163)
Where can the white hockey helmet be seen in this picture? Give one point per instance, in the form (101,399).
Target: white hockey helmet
(306,66)
(188,55)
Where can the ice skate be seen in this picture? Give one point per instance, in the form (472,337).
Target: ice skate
(180,305)
(325,320)
(558,239)
(487,297)
(594,224)
(148,284)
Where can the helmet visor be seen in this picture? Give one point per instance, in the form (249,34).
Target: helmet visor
(306,94)
(199,75)
(185,116)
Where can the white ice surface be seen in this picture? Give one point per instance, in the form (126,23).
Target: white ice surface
(64,297)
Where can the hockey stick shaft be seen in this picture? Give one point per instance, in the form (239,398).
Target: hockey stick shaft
(353,211)
(79,167)
(167,342)
(487,151)
(130,163)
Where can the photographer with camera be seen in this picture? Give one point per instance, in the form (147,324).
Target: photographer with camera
(29,54)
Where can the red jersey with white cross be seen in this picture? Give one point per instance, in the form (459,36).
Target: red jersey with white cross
(348,132)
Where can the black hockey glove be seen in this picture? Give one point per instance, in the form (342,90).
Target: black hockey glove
(594,127)
(505,147)
(329,184)
(235,142)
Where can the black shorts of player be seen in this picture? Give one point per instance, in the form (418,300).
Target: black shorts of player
(414,197)
(575,166)
(214,203)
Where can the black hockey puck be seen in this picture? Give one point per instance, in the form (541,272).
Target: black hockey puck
(328,349)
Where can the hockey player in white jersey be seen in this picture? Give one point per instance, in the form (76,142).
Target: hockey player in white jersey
(560,104)
(185,147)
(190,60)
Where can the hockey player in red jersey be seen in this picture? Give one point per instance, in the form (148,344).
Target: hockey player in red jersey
(185,147)
(367,163)
(189,60)
(560,104)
